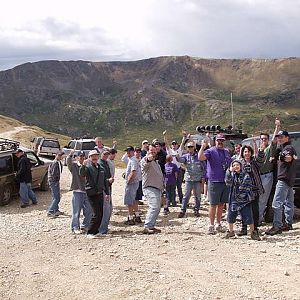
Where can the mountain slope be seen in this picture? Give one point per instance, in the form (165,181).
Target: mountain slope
(117,98)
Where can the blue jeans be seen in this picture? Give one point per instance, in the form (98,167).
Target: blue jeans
(107,211)
(267,182)
(27,193)
(153,197)
(80,201)
(283,197)
(171,194)
(189,186)
(55,193)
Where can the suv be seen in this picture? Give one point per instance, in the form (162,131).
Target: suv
(48,147)
(294,137)
(82,144)
(35,142)
(8,169)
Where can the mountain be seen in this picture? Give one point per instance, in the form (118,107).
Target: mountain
(124,98)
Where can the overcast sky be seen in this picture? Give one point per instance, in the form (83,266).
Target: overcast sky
(99,30)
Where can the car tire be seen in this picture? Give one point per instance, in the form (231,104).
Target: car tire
(6,194)
(44,184)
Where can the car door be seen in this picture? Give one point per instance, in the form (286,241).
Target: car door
(38,170)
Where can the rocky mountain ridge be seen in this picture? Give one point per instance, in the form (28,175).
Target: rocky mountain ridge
(111,98)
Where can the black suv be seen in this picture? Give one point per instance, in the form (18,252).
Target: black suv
(294,138)
(8,169)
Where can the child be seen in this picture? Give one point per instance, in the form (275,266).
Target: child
(170,181)
(240,198)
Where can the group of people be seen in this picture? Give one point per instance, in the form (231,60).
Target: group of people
(241,182)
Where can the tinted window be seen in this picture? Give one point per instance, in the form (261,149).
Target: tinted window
(296,144)
(88,145)
(33,159)
(51,144)
(78,146)
(6,166)
(71,145)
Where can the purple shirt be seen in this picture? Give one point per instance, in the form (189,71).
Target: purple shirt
(170,169)
(218,160)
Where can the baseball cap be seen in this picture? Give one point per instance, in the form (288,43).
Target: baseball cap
(129,148)
(137,149)
(93,152)
(81,153)
(145,142)
(19,150)
(157,143)
(174,142)
(106,151)
(220,136)
(282,132)
(190,144)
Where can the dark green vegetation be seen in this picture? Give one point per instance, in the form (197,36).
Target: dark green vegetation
(139,99)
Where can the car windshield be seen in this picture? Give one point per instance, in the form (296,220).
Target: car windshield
(88,145)
(51,144)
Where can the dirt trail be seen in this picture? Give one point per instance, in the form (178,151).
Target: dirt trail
(10,134)
(41,259)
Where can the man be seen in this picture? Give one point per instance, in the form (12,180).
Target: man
(131,186)
(193,176)
(79,199)
(237,150)
(218,160)
(97,191)
(54,173)
(24,177)
(100,146)
(107,204)
(145,148)
(153,185)
(284,195)
(267,169)
(160,156)
(173,150)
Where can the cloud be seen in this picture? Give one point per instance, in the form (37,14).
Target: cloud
(129,30)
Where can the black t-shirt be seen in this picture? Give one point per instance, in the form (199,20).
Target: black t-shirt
(286,171)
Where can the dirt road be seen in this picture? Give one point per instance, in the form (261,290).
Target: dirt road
(42,259)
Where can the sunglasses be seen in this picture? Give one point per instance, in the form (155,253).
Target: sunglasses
(190,146)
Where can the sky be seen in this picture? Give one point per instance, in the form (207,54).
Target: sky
(98,30)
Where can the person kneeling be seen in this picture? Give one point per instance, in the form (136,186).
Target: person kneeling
(240,198)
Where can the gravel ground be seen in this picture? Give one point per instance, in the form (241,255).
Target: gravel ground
(41,258)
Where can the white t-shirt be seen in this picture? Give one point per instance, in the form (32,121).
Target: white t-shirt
(172,152)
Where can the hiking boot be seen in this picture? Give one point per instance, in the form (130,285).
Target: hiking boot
(196,213)
(287,227)
(181,214)
(148,231)
(141,202)
(137,219)
(255,235)
(34,203)
(59,213)
(130,222)
(273,230)
(242,232)
(166,211)
(211,229)
(51,215)
(229,234)
(23,205)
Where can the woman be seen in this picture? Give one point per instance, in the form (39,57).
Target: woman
(251,165)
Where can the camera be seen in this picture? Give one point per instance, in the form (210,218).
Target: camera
(247,168)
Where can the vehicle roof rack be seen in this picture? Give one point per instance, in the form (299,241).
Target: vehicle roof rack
(7,144)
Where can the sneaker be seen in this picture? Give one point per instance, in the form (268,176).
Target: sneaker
(273,230)
(229,234)
(196,213)
(51,215)
(23,205)
(130,222)
(34,203)
(287,227)
(219,228)
(141,202)
(242,232)
(83,230)
(181,214)
(59,213)
(255,235)
(166,211)
(94,236)
(138,219)
(156,230)
(211,229)
(148,231)
(77,231)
